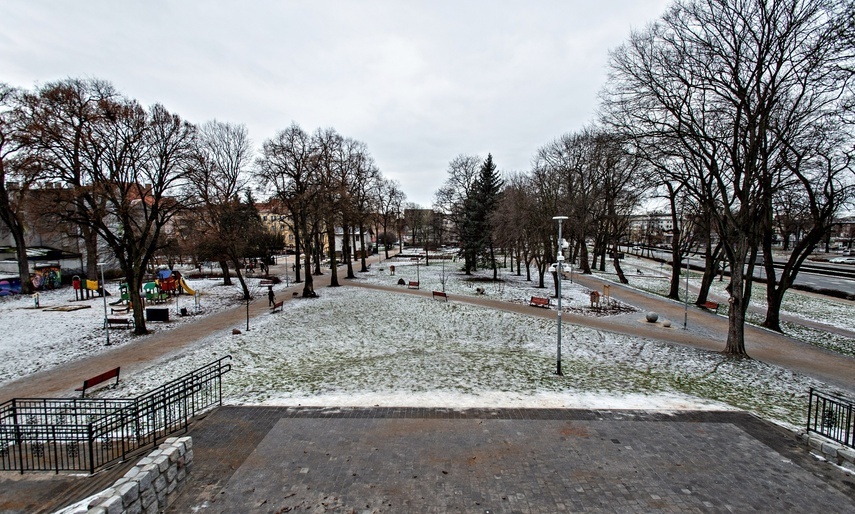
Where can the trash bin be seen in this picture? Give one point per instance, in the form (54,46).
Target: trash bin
(156,314)
(184,311)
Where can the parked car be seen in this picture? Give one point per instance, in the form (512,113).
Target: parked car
(843,260)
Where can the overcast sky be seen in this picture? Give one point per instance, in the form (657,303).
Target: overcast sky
(418,82)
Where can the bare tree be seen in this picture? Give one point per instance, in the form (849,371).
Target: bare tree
(17,174)
(60,117)
(718,83)
(219,173)
(390,200)
(286,165)
(450,199)
(136,167)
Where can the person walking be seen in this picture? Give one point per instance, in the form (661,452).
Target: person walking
(271,298)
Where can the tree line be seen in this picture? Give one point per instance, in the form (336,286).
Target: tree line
(738,114)
(137,182)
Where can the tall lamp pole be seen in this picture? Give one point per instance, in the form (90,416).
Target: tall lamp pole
(104,297)
(560,259)
(686,306)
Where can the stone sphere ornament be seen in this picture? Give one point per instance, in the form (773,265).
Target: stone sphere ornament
(652,317)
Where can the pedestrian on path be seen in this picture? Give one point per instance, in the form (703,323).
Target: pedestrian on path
(271,298)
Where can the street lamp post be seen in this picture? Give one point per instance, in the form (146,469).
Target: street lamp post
(104,297)
(560,259)
(686,306)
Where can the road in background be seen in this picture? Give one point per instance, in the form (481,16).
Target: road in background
(814,274)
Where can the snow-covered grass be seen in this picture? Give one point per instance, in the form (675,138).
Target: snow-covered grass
(655,278)
(355,346)
(38,339)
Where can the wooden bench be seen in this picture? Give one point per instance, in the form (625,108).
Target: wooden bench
(439,295)
(537,301)
(121,310)
(277,305)
(103,377)
(266,283)
(713,306)
(120,322)
(412,285)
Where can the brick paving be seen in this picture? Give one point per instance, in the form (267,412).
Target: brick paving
(372,460)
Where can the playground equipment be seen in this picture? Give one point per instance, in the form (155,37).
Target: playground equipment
(123,294)
(85,289)
(186,287)
(153,292)
(172,283)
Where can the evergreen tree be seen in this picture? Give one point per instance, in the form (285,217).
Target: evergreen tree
(478,208)
(490,186)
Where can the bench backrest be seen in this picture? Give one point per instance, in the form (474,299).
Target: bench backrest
(539,301)
(103,377)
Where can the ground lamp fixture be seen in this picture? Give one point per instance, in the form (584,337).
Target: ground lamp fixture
(560,260)
(104,297)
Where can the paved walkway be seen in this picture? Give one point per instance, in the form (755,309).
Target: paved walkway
(373,460)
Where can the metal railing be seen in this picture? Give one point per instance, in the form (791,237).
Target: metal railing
(52,434)
(831,416)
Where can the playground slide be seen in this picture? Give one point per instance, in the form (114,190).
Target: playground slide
(185,287)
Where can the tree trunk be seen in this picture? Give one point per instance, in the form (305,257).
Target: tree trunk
(364,263)
(583,259)
(711,264)
(227,278)
(528,268)
(90,243)
(348,251)
(621,277)
(740,296)
(775,289)
(493,261)
(676,259)
(333,263)
(137,305)
(318,252)
(297,251)
(17,231)
(243,285)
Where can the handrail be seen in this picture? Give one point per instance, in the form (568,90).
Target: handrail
(45,434)
(831,415)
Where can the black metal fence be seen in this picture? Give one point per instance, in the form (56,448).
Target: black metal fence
(831,416)
(86,434)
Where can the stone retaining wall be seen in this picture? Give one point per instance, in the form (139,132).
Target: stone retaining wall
(834,452)
(152,484)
